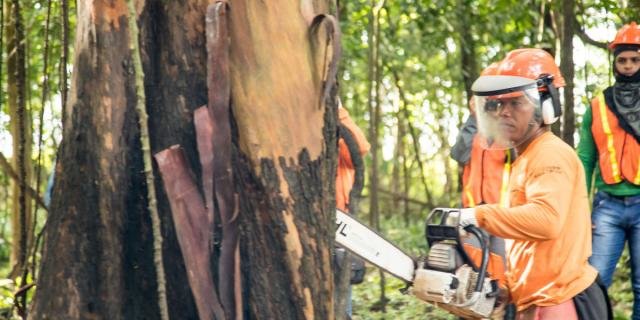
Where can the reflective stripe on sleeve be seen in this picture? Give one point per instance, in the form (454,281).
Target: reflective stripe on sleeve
(505,181)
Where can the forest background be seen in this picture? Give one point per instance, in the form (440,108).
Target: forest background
(405,74)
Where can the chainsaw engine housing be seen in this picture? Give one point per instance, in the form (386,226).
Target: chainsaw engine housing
(447,278)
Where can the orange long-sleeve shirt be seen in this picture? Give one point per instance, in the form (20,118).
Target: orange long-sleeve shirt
(345,175)
(548,218)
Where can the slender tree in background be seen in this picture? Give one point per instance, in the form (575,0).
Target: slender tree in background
(33,248)
(567,67)
(373,110)
(466,45)
(21,133)
(143,124)
(64,60)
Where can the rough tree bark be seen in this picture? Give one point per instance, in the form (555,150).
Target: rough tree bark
(98,258)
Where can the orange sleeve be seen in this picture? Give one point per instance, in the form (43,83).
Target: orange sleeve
(345,175)
(358,135)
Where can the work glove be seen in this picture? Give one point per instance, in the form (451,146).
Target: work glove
(468,217)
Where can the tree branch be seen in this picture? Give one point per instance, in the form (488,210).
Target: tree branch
(586,39)
(403,197)
(579,30)
(32,193)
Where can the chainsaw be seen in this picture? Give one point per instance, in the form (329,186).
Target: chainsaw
(446,277)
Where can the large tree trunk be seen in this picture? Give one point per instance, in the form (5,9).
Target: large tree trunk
(97,261)
(98,258)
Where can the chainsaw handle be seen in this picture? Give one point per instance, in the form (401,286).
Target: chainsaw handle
(445,229)
(482,273)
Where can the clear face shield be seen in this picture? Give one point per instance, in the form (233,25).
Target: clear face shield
(507,110)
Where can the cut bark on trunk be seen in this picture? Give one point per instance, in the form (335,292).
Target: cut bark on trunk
(193,228)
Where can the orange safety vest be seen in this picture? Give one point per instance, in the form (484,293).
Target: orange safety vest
(485,177)
(619,151)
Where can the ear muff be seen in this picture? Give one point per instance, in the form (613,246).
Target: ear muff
(549,114)
(551,106)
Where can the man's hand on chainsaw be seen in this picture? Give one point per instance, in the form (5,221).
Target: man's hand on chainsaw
(468,217)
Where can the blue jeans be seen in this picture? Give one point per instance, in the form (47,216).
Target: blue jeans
(616,221)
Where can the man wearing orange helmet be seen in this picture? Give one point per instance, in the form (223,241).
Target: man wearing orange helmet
(610,149)
(547,214)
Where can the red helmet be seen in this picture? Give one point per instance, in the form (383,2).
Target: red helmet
(531,63)
(628,34)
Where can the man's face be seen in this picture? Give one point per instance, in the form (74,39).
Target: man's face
(514,118)
(628,62)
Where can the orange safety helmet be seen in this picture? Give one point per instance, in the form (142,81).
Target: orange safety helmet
(628,34)
(491,69)
(520,71)
(531,63)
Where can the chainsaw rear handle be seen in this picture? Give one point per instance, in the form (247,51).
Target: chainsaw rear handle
(485,254)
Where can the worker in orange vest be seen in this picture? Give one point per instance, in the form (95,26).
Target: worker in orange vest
(485,177)
(610,149)
(547,216)
(485,172)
